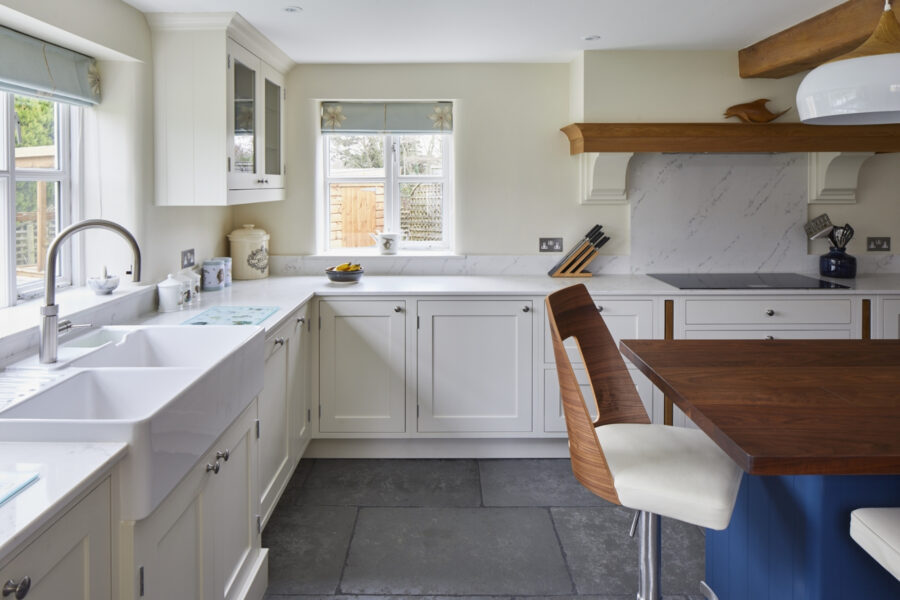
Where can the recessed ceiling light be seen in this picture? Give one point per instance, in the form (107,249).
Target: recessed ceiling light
(292,9)
(592,38)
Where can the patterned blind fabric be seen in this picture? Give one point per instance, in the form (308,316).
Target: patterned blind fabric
(390,117)
(33,67)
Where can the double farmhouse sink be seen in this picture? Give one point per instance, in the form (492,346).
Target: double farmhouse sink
(168,392)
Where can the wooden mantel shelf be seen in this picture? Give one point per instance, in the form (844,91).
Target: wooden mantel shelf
(730,137)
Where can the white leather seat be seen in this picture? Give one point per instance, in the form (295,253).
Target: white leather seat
(671,471)
(877,530)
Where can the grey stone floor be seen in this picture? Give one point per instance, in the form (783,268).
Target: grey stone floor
(451,529)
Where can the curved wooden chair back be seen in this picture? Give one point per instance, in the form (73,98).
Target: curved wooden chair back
(572,313)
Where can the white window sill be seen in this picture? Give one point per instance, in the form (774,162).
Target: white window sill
(25,317)
(372,253)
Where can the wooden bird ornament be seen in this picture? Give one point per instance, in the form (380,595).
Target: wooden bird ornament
(753,112)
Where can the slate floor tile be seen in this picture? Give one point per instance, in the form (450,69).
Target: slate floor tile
(600,555)
(458,551)
(297,481)
(533,482)
(308,546)
(391,483)
(604,560)
(683,558)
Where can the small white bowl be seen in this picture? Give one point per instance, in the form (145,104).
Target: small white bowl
(102,287)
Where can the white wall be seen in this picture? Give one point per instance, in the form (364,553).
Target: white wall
(515,180)
(118,137)
(641,86)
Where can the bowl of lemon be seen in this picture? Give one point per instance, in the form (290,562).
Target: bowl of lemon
(344,273)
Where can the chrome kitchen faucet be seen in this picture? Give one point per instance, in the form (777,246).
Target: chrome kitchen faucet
(50,310)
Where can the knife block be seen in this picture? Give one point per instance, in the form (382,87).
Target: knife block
(576,261)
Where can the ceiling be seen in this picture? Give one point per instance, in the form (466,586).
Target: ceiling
(403,31)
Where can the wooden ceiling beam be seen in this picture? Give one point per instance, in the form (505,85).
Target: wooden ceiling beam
(814,41)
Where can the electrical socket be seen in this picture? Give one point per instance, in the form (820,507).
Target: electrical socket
(878,244)
(550,244)
(187,258)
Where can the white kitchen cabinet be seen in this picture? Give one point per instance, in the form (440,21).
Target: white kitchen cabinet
(555,419)
(283,409)
(362,366)
(202,542)
(255,123)
(889,312)
(71,559)
(218,111)
(300,384)
(626,319)
(474,365)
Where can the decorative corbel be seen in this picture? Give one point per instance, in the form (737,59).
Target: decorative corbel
(603,176)
(832,176)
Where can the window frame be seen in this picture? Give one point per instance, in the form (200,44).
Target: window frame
(10,291)
(392,181)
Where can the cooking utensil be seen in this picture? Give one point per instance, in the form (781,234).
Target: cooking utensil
(818,227)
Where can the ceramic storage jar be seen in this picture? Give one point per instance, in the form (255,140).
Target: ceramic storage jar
(249,253)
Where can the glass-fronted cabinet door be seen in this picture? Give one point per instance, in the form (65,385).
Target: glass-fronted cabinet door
(273,133)
(244,118)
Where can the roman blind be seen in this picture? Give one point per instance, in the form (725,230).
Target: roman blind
(33,67)
(382,117)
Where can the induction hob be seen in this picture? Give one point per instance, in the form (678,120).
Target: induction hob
(744,281)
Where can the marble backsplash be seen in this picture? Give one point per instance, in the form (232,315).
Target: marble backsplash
(689,213)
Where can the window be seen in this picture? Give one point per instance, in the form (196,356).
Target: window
(381,180)
(34,191)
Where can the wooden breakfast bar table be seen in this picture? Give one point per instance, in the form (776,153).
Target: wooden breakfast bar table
(815,424)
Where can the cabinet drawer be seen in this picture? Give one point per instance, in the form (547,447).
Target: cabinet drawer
(767,311)
(763,334)
(625,319)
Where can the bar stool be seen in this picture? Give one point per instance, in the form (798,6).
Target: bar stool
(877,530)
(657,470)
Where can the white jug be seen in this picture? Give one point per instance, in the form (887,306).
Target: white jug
(387,243)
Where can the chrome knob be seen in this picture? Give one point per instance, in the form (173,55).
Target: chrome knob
(770,337)
(19,589)
(214,468)
(223,455)
(526,308)
(301,320)
(279,341)
(770,312)
(599,308)
(398,309)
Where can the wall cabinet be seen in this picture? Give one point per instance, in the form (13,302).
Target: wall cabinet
(218,111)
(71,559)
(283,409)
(474,362)
(202,542)
(255,123)
(362,366)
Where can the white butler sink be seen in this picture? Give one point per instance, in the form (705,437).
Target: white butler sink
(167,391)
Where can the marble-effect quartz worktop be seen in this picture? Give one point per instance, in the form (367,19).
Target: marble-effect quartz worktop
(66,470)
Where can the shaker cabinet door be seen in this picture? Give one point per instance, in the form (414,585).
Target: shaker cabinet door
(475,366)
(362,366)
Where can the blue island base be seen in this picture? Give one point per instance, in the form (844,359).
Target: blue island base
(789,539)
